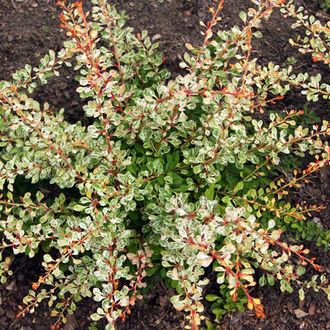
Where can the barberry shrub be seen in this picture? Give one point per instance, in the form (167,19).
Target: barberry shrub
(178,177)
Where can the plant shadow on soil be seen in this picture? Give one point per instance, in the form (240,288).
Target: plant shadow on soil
(28,28)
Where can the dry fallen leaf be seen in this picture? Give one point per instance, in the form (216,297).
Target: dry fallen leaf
(188,13)
(300,313)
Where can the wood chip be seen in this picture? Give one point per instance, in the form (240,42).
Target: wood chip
(312,310)
(71,323)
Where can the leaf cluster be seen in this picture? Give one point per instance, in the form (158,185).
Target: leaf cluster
(183,178)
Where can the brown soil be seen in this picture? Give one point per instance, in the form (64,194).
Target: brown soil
(28,28)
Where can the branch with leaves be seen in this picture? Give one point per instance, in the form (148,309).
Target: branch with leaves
(177,178)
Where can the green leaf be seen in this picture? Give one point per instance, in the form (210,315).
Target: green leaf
(209,193)
(262,280)
(243,16)
(96,317)
(171,161)
(211,297)
(217,311)
(152,271)
(209,325)
(270,279)
(300,270)
(301,294)
(40,196)
(139,148)
(239,186)
(271,224)
(183,188)
(79,208)
(177,179)
(48,258)
(226,200)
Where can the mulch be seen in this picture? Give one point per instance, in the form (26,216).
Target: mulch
(28,28)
